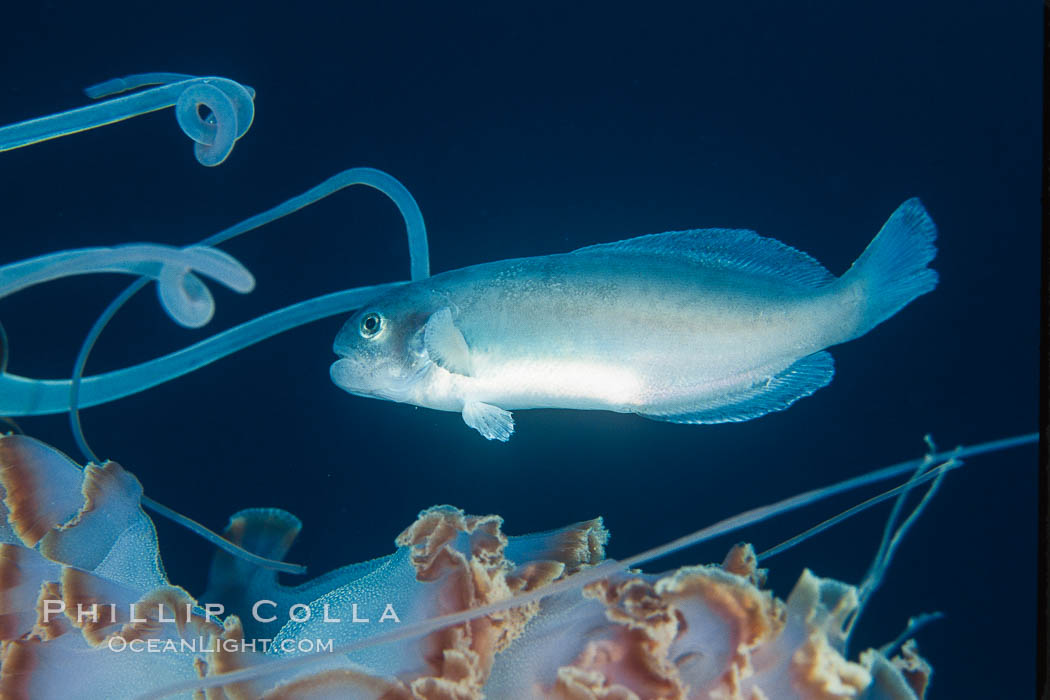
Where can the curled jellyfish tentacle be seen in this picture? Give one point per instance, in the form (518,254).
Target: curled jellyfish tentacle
(419,261)
(26,396)
(115,86)
(230,111)
(182,294)
(230,103)
(261,328)
(231,114)
(184,297)
(418,249)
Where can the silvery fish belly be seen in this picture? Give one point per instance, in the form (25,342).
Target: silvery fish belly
(702,326)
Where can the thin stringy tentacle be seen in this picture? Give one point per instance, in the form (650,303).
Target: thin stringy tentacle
(5,354)
(220,541)
(923,464)
(885,554)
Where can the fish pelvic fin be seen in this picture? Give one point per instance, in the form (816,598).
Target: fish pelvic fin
(492,422)
(892,271)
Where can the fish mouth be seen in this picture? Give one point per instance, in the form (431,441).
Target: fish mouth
(344,375)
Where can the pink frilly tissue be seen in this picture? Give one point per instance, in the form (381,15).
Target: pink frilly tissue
(81,581)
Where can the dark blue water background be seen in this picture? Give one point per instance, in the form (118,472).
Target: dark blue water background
(534,130)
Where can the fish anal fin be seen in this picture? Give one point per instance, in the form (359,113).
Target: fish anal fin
(445,344)
(773,394)
(492,422)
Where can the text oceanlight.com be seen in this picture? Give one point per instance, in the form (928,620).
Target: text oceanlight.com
(200,645)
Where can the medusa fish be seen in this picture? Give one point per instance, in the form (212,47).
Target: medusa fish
(705,326)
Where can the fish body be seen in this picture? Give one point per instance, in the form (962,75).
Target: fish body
(701,326)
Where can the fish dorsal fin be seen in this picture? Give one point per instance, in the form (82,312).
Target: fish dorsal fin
(445,343)
(729,249)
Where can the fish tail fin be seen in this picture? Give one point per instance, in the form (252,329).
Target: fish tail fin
(892,271)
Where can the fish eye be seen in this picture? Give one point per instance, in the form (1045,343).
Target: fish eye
(371,324)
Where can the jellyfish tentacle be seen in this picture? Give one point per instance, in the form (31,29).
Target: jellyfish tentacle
(115,86)
(891,541)
(214,136)
(579,580)
(220,541)
(892,533)
(181,297)
(24,396)
(5,354)
(5,349)
(231,104)
(418,249)
(184,295)
(78,368)
(190,303)
(898,506)
(923,465)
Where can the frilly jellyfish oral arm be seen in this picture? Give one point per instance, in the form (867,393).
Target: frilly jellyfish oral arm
(950,459)
(230,103)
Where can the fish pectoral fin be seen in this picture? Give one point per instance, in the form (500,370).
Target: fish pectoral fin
(491,421)
(773,394)
(445,344)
